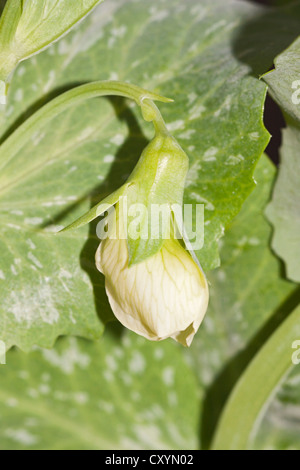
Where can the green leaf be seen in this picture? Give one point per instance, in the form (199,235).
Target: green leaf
(248,300)
(27,27)
(120,393)
(284,82)
(280,427)
(182,50)
(256,387)
(284,211)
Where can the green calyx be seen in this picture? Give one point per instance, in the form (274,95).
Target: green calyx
(155,187)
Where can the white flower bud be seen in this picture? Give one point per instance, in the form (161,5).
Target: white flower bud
(164,296)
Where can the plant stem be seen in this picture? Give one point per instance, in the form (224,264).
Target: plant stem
(255,389)
(22,135)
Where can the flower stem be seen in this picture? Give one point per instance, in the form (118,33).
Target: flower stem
(22,135)
(255,389)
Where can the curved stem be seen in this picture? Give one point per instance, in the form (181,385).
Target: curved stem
(20,137)
(255,389)
(151,113)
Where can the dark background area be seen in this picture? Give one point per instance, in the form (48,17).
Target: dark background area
(273,117)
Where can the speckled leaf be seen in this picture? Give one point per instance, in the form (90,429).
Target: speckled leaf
(284,210)
(281,424)
(195,52)
(248,300)
(29,26)
(284,82)
(115,394)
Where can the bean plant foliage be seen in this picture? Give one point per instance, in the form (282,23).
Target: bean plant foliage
(108,388)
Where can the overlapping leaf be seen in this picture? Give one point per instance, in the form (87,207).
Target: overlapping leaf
(248,300)
(114,394)
(284,211)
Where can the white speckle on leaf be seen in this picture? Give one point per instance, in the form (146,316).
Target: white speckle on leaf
(34,259)
(198,12)
(12,402)
(19,95)
(109,159)
(111,363)
(175,126)
(210,154)
(221,275)
(149,434)
(32,304)
(85,133)
(254,135)
(118,139)
(137,364)
(81,398)
(44,389)
(72,169)
(253,241)
(187,134)
(21,71)
(54,228)
(23,374)
(63,273)
(193,173)
(168,376)
(114,76)
(33,221)
(21,436)
(13,226)
(17,212)
(37,137)
(106,406)
(116,33)
(159,353)
(197,111)
(50,82)
(126,378)
(67,360)
(234,160)
(226,105)
(13,270)
(2,275)
(30,243)
(215,27)
(208,205)
(119,32)
(159,15)
(192,97)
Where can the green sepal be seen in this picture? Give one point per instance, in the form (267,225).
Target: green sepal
(159,179)
(97,210)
